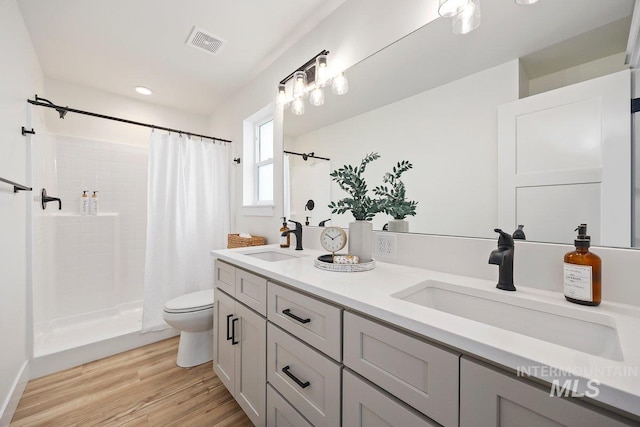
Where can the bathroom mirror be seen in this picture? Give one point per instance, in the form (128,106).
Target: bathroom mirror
(432,98)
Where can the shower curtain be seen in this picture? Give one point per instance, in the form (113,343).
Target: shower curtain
(187,216)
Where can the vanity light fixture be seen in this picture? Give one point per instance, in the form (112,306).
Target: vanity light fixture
(468,19)
(143,90)
(466,13)
(309,80)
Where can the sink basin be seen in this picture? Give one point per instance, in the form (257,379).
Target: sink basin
(592,333)
(271,256)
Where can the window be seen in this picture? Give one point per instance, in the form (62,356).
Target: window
(258,164)
(263,169)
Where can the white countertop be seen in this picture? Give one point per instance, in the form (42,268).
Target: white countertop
(370,293)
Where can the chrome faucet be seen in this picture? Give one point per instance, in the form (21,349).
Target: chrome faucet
(297,232)
(503,257)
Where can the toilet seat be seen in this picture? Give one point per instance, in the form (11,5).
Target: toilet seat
(195,301)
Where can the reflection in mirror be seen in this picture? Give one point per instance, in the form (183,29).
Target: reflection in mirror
(449,104)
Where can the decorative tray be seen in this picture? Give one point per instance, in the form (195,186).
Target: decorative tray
(325,262)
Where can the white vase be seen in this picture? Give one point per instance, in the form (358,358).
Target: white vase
(361,240)
(398,225)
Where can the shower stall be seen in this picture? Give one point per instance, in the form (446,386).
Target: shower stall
(87,271)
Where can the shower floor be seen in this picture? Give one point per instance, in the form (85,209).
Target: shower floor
(64,334)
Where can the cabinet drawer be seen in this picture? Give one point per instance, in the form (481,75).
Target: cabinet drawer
(225,277)
(309,380)
(311,320)
(251,290)
(280,413)
(366,406)
(420,374)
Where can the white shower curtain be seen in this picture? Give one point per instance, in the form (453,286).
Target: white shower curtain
(187,216)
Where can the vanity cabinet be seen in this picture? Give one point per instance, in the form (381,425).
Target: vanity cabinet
(490,397)
(365,405)
(421,374)
(239,351)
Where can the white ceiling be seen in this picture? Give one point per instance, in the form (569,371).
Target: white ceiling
(114,45)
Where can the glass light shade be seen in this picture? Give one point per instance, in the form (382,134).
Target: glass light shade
(449,8)
(297,106)
(340,85)
(316,97)
(526,2)
(467,20)
(299,84)
(281,96)
(321,71)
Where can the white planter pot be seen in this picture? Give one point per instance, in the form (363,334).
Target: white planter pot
(361,240)
(398,226)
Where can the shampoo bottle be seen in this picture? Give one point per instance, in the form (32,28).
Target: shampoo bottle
(93,204)
(582,272)
(84,203)
(285,239)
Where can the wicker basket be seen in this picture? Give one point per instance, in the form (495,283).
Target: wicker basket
(235,241)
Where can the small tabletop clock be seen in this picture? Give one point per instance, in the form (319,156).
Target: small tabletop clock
(333,239)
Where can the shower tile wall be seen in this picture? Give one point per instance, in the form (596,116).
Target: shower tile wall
(98,261)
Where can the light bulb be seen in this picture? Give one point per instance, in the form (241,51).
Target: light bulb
(340,85)
(299,84)
(321,71)
(297,106)
(281,96)
(449,8)
(467,20)
(316,97)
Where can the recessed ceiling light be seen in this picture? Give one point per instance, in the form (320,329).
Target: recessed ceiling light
(143,90)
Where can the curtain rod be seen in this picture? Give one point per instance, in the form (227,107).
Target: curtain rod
(63,110)
(306,156)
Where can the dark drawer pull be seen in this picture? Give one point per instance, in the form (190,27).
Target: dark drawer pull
(293,377)
(233,331)
(288,312)
(229,336)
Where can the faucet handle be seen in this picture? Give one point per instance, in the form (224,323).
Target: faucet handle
(505,239)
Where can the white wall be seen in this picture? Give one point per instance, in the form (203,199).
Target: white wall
(449,131)
(96,101)
(354,31)
(21,77)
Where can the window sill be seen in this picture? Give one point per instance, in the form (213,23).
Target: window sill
(258,210)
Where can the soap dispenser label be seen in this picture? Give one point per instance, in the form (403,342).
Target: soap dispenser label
(578,282)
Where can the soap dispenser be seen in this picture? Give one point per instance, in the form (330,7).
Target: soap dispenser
(285,238)
(582,272)
(84,203)
(93,204)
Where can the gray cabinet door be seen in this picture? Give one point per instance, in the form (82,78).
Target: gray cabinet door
(251,354)
(492,398)
(223,349)
(365,406)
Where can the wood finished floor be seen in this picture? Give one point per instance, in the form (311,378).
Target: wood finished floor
(140,387)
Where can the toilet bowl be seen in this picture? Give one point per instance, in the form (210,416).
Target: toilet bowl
(192,315)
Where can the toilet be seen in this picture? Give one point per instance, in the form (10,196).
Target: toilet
(192,315)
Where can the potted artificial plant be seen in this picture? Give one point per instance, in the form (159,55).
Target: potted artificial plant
(360,204)
(394,200)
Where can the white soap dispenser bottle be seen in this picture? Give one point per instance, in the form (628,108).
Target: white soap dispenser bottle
(84,203)
(93,204)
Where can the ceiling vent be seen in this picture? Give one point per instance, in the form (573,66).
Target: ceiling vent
(205,41)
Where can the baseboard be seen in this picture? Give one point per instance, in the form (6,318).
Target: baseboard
(10,404)
(56,362)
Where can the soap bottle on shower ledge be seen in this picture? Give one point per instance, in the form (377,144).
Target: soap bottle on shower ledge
(582,272)
(84,203)
(93,204)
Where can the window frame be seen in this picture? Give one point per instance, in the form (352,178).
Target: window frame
(257,163)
